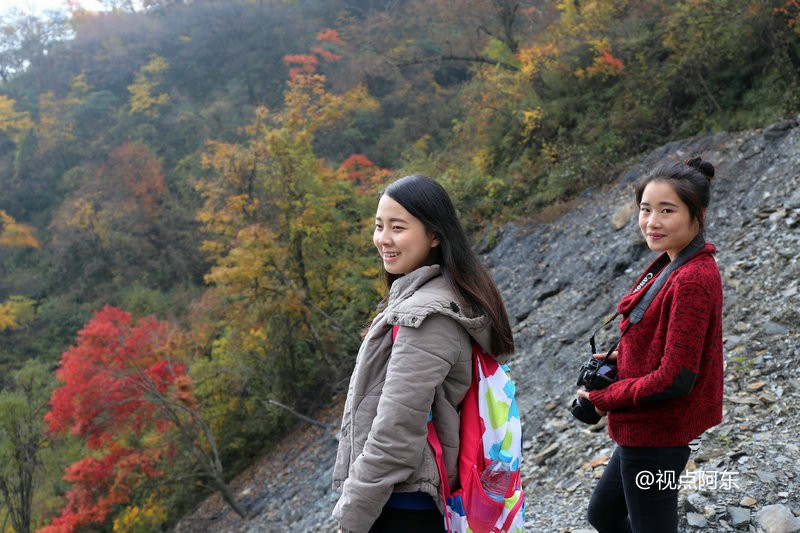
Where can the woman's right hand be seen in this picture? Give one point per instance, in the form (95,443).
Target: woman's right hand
(612,357)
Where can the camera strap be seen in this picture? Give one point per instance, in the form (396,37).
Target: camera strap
(692,248)
(636,315)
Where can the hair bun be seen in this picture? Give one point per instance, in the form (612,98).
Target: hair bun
(705,167)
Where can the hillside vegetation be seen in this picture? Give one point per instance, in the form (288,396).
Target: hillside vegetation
(186,193)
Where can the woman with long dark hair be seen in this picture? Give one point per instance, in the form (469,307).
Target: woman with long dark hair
(443,298)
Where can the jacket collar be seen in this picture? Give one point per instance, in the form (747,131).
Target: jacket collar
(407,285)
(423,292)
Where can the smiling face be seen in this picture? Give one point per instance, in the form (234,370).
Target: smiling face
(402,240)
(665,220)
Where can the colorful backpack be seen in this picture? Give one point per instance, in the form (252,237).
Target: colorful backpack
(489,423)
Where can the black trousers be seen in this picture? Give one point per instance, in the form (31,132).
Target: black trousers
(394,520)
(638,492)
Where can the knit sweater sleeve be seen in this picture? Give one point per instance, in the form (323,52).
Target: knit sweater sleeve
(664,355)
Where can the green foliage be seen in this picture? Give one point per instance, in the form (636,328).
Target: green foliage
(140,300)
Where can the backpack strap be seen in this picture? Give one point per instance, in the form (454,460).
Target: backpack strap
(444,483)
(470,449)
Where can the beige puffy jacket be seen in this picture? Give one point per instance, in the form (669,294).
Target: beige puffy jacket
(393,387)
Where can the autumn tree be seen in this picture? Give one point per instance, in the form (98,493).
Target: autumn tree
(121,227)
(12,122)
(146,414)
(22,441)
(288,240)
(144,98)
(15,235)
(43,148)
(17,128)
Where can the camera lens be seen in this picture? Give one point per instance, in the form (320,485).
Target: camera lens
(584,410)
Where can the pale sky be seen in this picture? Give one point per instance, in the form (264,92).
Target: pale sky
(38,6)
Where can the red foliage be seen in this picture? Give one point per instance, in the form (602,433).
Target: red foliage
(306,64)
(141,174)
(361,171)
(356,167)
(614,63)
(117,361)
(329,36)
(606,64)
(329,39)
(114,379)
(98,485)
(327,55)
(791,10)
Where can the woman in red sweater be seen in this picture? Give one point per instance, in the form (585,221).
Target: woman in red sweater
(669,386)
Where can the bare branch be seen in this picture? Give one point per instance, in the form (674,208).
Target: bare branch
(300,415)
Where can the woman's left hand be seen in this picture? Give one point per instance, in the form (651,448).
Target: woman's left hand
(583,393)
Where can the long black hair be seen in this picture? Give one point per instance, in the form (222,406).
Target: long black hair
(428,201)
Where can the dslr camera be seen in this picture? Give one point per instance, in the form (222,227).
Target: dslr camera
(595,374)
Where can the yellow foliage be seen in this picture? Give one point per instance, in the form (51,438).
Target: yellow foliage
(482,160)
(569,12)
(79,88)
(310,107)
(421,144)
(494,186)
(15,312)
(143,100)
(16,235)
(531,120)
(144,519)
(55,128)
(83,215)
(276,221)
(549,152)
(7,318)
(535,58)
(13,123)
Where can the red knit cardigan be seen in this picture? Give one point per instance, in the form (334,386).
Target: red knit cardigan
(669,389)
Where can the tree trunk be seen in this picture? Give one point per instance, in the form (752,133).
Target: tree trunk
(229,497)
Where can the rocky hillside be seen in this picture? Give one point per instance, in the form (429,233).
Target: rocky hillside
(561,279)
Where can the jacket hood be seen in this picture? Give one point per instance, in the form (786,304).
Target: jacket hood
(424,292)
